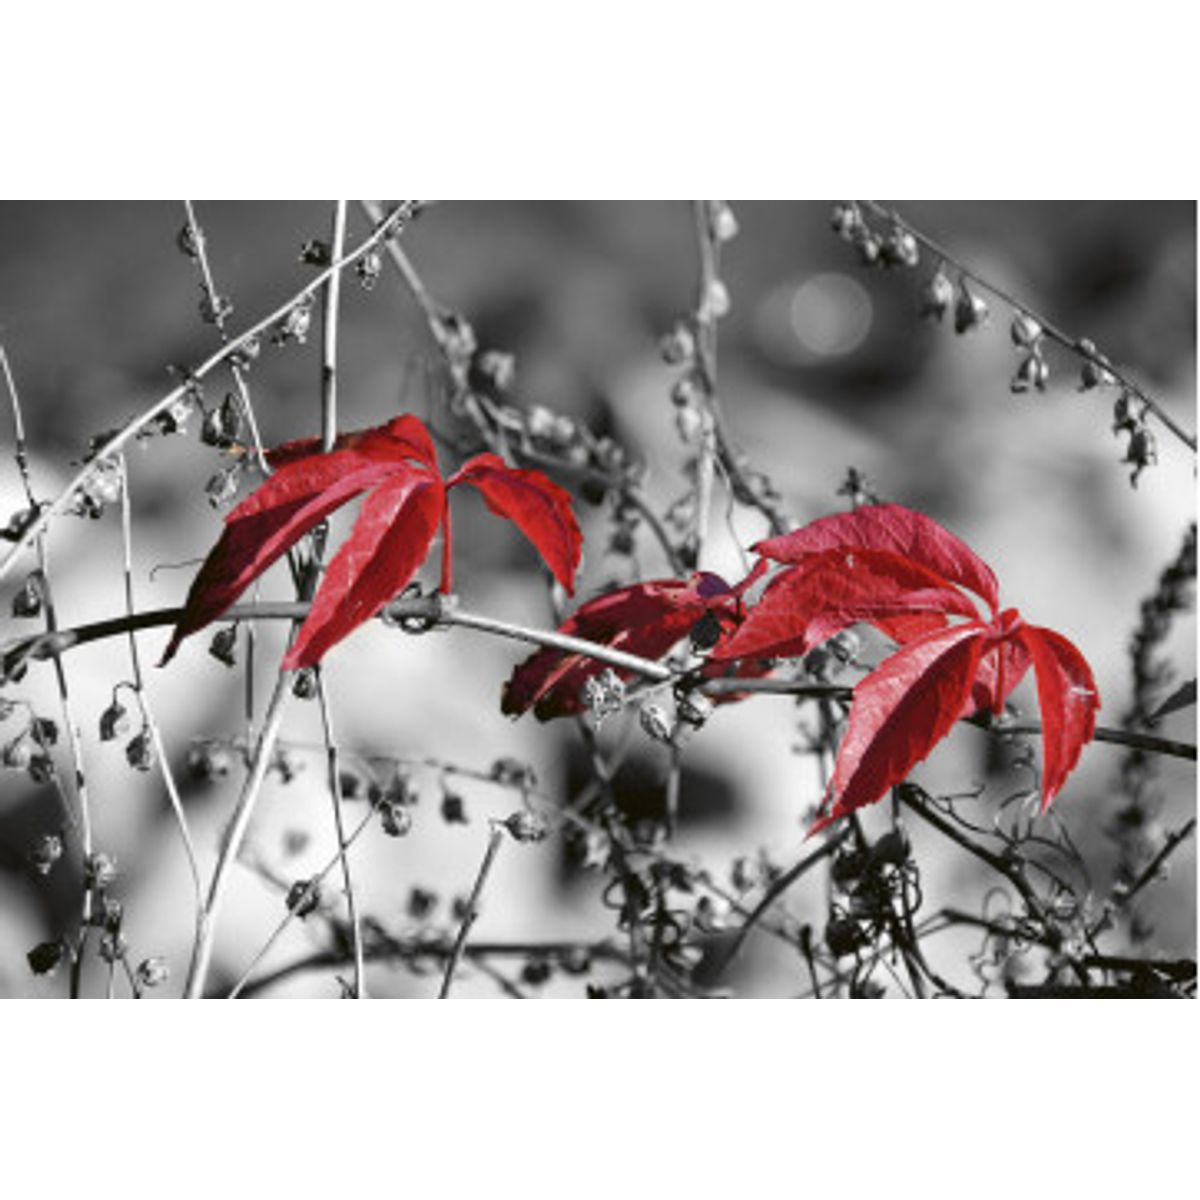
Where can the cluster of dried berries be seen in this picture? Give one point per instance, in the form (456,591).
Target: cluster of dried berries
(895,247)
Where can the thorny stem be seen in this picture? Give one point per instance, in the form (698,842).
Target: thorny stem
(131,429)
(1049,330)
(20,453)
(472,913)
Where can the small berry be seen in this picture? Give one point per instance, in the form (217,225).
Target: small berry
(315,253)
(724,223)
(421,903)
(394,818)
(536,972)
(223,486)
(46,853)
(495,371)
(188,240)
(28,600)
(655,723)
(1024,331)
(304,685)
(526,826)
(139,753)
(114,722)
(100,871)
(303,897)
(936,296)
(368,269)
(454,809)
(678,346)
(970,310)
(223,646)
(900,249)
(846,220)
(1143,452)
(44,958)
(153,972)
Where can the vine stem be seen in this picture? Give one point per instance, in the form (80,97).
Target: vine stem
(431,609)
(131,428)
(709,251)
(472,913)
(1049,329)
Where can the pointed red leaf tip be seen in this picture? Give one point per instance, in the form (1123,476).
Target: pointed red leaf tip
(1069,702)
(385,549)
(540,509)
(832,589)
(645,619)
(265,525)
(894,528)
(899,713)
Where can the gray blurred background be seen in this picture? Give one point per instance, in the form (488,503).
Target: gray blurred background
(824,364)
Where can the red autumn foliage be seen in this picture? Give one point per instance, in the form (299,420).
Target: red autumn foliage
(901,571)
(390,539)
(883,564)
(646,619)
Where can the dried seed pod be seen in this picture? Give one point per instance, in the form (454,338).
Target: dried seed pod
(454,809)
(223,646)
(970,310)
(655,722)
(526,826)
(678,346)
(1143,452)
(303,897)
(114,722)
(45,957)
(304,685)
(315,253)
(223,486)
(724,223)
(1024,330)
(936,296)
(100,871)
(47,851)
(153,972)
(368,269)
(139,753)
(1032,373)
(28,600)
(394,818)
(846,220)
(900,249)
(209,760)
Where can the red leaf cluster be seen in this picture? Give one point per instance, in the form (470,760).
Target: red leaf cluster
(391,538)
(885,565)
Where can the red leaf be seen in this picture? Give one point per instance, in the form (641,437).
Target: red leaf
(402,437)
(900,712)
(830,590)
(268,523)
(984,695)
(387,545)
(894,528)
(645,619)
(540,509)
(1069,701)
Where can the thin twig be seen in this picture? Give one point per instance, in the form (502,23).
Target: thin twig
(79,779)
(472,912)
(1049,329)
(235,835)
(132,427)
